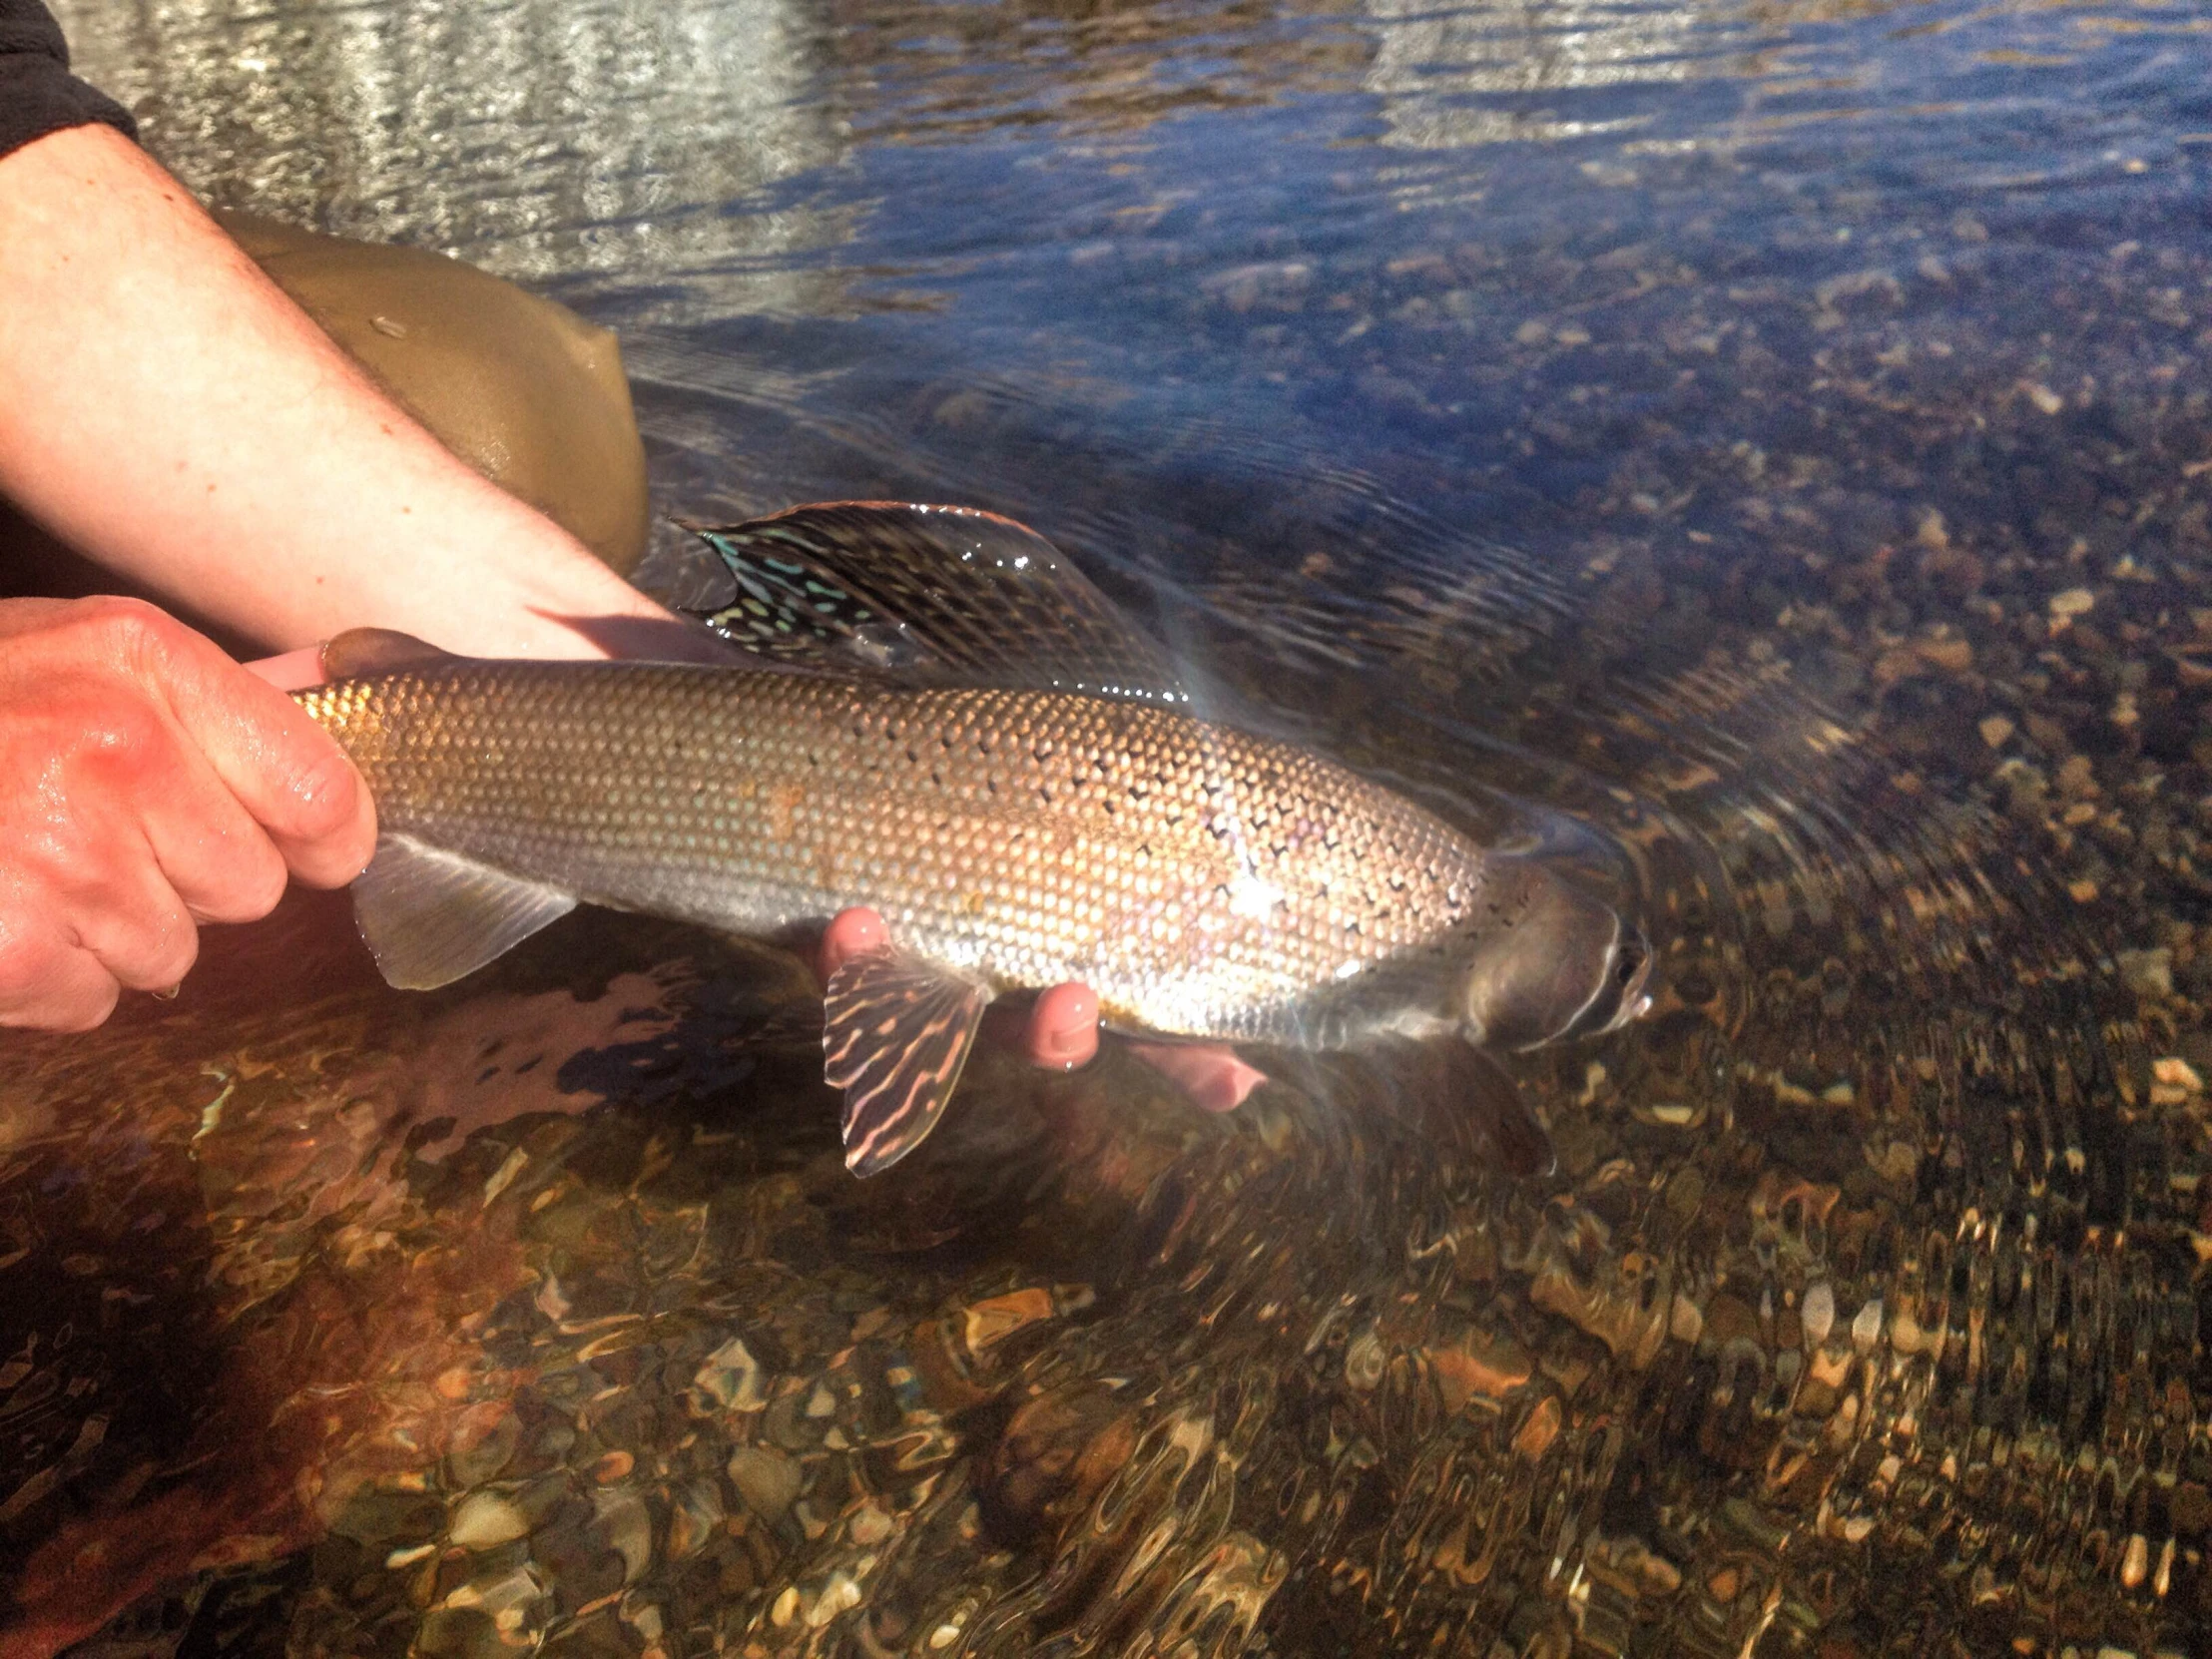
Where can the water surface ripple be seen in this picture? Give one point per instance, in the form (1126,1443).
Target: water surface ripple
(1760,452)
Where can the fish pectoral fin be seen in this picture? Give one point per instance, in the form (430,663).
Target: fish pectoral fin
(1457,1089)
(928,596)
(365,653)
(1522,1143)
(895,1032)
(431,916)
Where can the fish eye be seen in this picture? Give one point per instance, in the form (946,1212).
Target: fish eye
(1625,993)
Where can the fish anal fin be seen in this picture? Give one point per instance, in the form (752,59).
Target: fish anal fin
(431,916)
(929,594)
(895,1032)
(362,652)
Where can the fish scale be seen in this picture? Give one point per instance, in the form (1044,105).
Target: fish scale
(1203,881)
(968,738)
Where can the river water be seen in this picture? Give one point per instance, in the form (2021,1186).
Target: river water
(1762,448)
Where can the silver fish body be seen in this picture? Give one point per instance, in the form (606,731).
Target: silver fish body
(967,737)
(1205,882)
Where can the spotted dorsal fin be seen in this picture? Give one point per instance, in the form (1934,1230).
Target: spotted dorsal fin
(895,1032)
(929,594)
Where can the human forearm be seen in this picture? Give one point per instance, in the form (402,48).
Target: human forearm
(166,409)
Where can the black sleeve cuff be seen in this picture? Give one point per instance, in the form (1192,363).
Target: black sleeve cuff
(38,95)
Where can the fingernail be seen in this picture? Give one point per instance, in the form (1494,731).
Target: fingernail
(170,995)
(1066,1049)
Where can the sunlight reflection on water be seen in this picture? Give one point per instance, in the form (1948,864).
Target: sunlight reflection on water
(1774,438)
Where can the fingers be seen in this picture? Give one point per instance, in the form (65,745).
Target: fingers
(281,768)
(1214,1078)
(294,671)
(143,942)
(1062,1031)
(47,983)
(147,783)
(850,933)
(143,827)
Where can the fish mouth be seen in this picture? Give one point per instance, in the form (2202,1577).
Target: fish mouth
(1623,992)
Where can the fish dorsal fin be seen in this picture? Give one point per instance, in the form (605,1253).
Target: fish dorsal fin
(930,595)
(361,653)
(895,1032)
(430,917)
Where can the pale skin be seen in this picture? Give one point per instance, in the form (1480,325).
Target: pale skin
(167,410)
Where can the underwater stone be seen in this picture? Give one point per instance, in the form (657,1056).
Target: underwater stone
(695,1515)
(731,1378)
(483,1444)
(1365,1361)
(840,1594)
(767,1481)
(992,1320)
(623,1525)
(1478,1366)
(486,1519)
(1685,1321)
(1818,1313)
(870,1525)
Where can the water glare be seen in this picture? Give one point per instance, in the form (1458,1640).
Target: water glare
(1755,454)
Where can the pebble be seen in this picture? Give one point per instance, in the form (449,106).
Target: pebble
(1818,1313)
(483,1520)
(840,1594)
(2148,974)
(767,1481)
(731,1378)
(2173,1070)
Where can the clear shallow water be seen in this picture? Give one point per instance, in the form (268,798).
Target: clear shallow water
(1772,440)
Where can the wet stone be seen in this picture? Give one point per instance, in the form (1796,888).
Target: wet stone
(731,1378)
(767,1481)
(483,1446)
(483,1520)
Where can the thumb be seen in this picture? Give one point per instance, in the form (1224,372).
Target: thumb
(283,768)
(294,671)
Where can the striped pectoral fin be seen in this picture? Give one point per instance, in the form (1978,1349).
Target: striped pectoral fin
(895,1032)
(430,917)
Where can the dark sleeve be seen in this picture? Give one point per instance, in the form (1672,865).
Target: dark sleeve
(38,95)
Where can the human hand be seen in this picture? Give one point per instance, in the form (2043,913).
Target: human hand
(1061,1030)
(148,784)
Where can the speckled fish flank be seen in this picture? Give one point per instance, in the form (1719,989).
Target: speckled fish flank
(1206,882)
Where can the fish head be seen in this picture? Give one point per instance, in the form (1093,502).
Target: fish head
(1549,962)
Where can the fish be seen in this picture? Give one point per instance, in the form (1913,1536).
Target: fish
(944,719)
